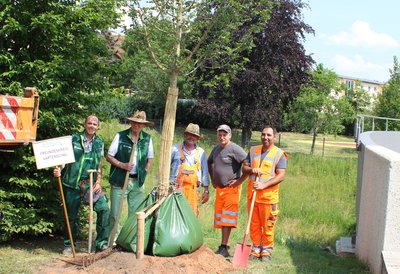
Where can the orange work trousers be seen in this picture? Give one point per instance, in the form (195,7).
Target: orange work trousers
(263,223)
(227,206)
(190,192)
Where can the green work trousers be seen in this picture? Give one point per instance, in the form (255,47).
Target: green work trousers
(133,194)
(73,201)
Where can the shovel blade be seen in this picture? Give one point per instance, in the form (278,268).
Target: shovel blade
(241,255)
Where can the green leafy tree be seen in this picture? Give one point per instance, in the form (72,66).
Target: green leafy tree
(318,108)
(277,67)
(60,47)
(176,36)
(360,101)
(388,103)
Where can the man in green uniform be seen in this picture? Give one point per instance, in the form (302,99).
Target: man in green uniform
(132,140)
(88,151)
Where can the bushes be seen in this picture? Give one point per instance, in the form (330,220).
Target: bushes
(29,198)
(110,105)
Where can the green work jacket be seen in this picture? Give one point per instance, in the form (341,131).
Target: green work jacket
(77,171)
(117,175)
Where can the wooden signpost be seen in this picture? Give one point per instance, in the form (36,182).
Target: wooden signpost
(51,153)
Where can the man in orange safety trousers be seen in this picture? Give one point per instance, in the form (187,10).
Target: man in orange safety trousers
(189,168)
(225,165)
(268,163)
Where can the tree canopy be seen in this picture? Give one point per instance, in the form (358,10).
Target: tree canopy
(276,67)
(177,35)
(388,103)
(318,109)
(60,47)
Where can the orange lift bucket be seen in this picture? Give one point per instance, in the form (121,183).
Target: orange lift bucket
(18,118)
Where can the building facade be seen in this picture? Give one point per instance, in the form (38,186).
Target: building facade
(372,87)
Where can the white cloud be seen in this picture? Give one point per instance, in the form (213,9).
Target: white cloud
(361,35)
(356,66)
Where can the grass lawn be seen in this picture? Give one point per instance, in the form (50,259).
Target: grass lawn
(317,207)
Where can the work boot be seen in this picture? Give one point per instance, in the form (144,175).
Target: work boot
(266,254)
(255,253)
(67,250)
(223,251)
(220,247)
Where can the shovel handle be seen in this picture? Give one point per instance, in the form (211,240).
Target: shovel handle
(121,201)
(253,200)
(71,239)
(90,171)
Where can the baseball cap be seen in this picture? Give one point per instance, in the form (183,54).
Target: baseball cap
(225,128)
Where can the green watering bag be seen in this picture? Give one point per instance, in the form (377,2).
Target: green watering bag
(177,229)
(127,237)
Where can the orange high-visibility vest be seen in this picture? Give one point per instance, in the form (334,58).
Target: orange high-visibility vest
(268,166)
(187,180)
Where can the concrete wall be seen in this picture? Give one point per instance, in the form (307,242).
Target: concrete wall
(378,197)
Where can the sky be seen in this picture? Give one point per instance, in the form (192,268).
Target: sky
(356,38)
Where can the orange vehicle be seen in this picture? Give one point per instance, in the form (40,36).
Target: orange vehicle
(18,118)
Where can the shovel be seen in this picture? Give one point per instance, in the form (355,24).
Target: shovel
(90,171)
(242,250)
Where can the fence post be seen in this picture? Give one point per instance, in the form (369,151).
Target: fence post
(140,234)
(373,123)
(323,147)
(362,124)
(279,142)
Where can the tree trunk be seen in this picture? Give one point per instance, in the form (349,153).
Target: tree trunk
(313,140)
(246,136)
(167,135)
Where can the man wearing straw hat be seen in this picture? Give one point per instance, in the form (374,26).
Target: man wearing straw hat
(88,151)
(132,140)
(189,168)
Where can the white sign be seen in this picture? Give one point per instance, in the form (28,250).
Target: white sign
(53,152)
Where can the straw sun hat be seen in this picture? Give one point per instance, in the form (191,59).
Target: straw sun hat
(140,117)
(193,129)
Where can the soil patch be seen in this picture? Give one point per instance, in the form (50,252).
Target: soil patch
(202,260)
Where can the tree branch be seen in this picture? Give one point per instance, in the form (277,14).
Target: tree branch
(147,40)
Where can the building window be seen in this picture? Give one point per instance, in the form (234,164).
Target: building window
(350,84)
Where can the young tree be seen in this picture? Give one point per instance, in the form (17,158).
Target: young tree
(175,35)
(388,103)
(317,109)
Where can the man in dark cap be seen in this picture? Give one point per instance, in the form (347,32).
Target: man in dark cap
(224,165)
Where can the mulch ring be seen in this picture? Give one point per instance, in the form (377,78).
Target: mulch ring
(202,260)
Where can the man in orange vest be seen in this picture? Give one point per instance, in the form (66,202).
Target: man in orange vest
(268,163)
(189,168)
